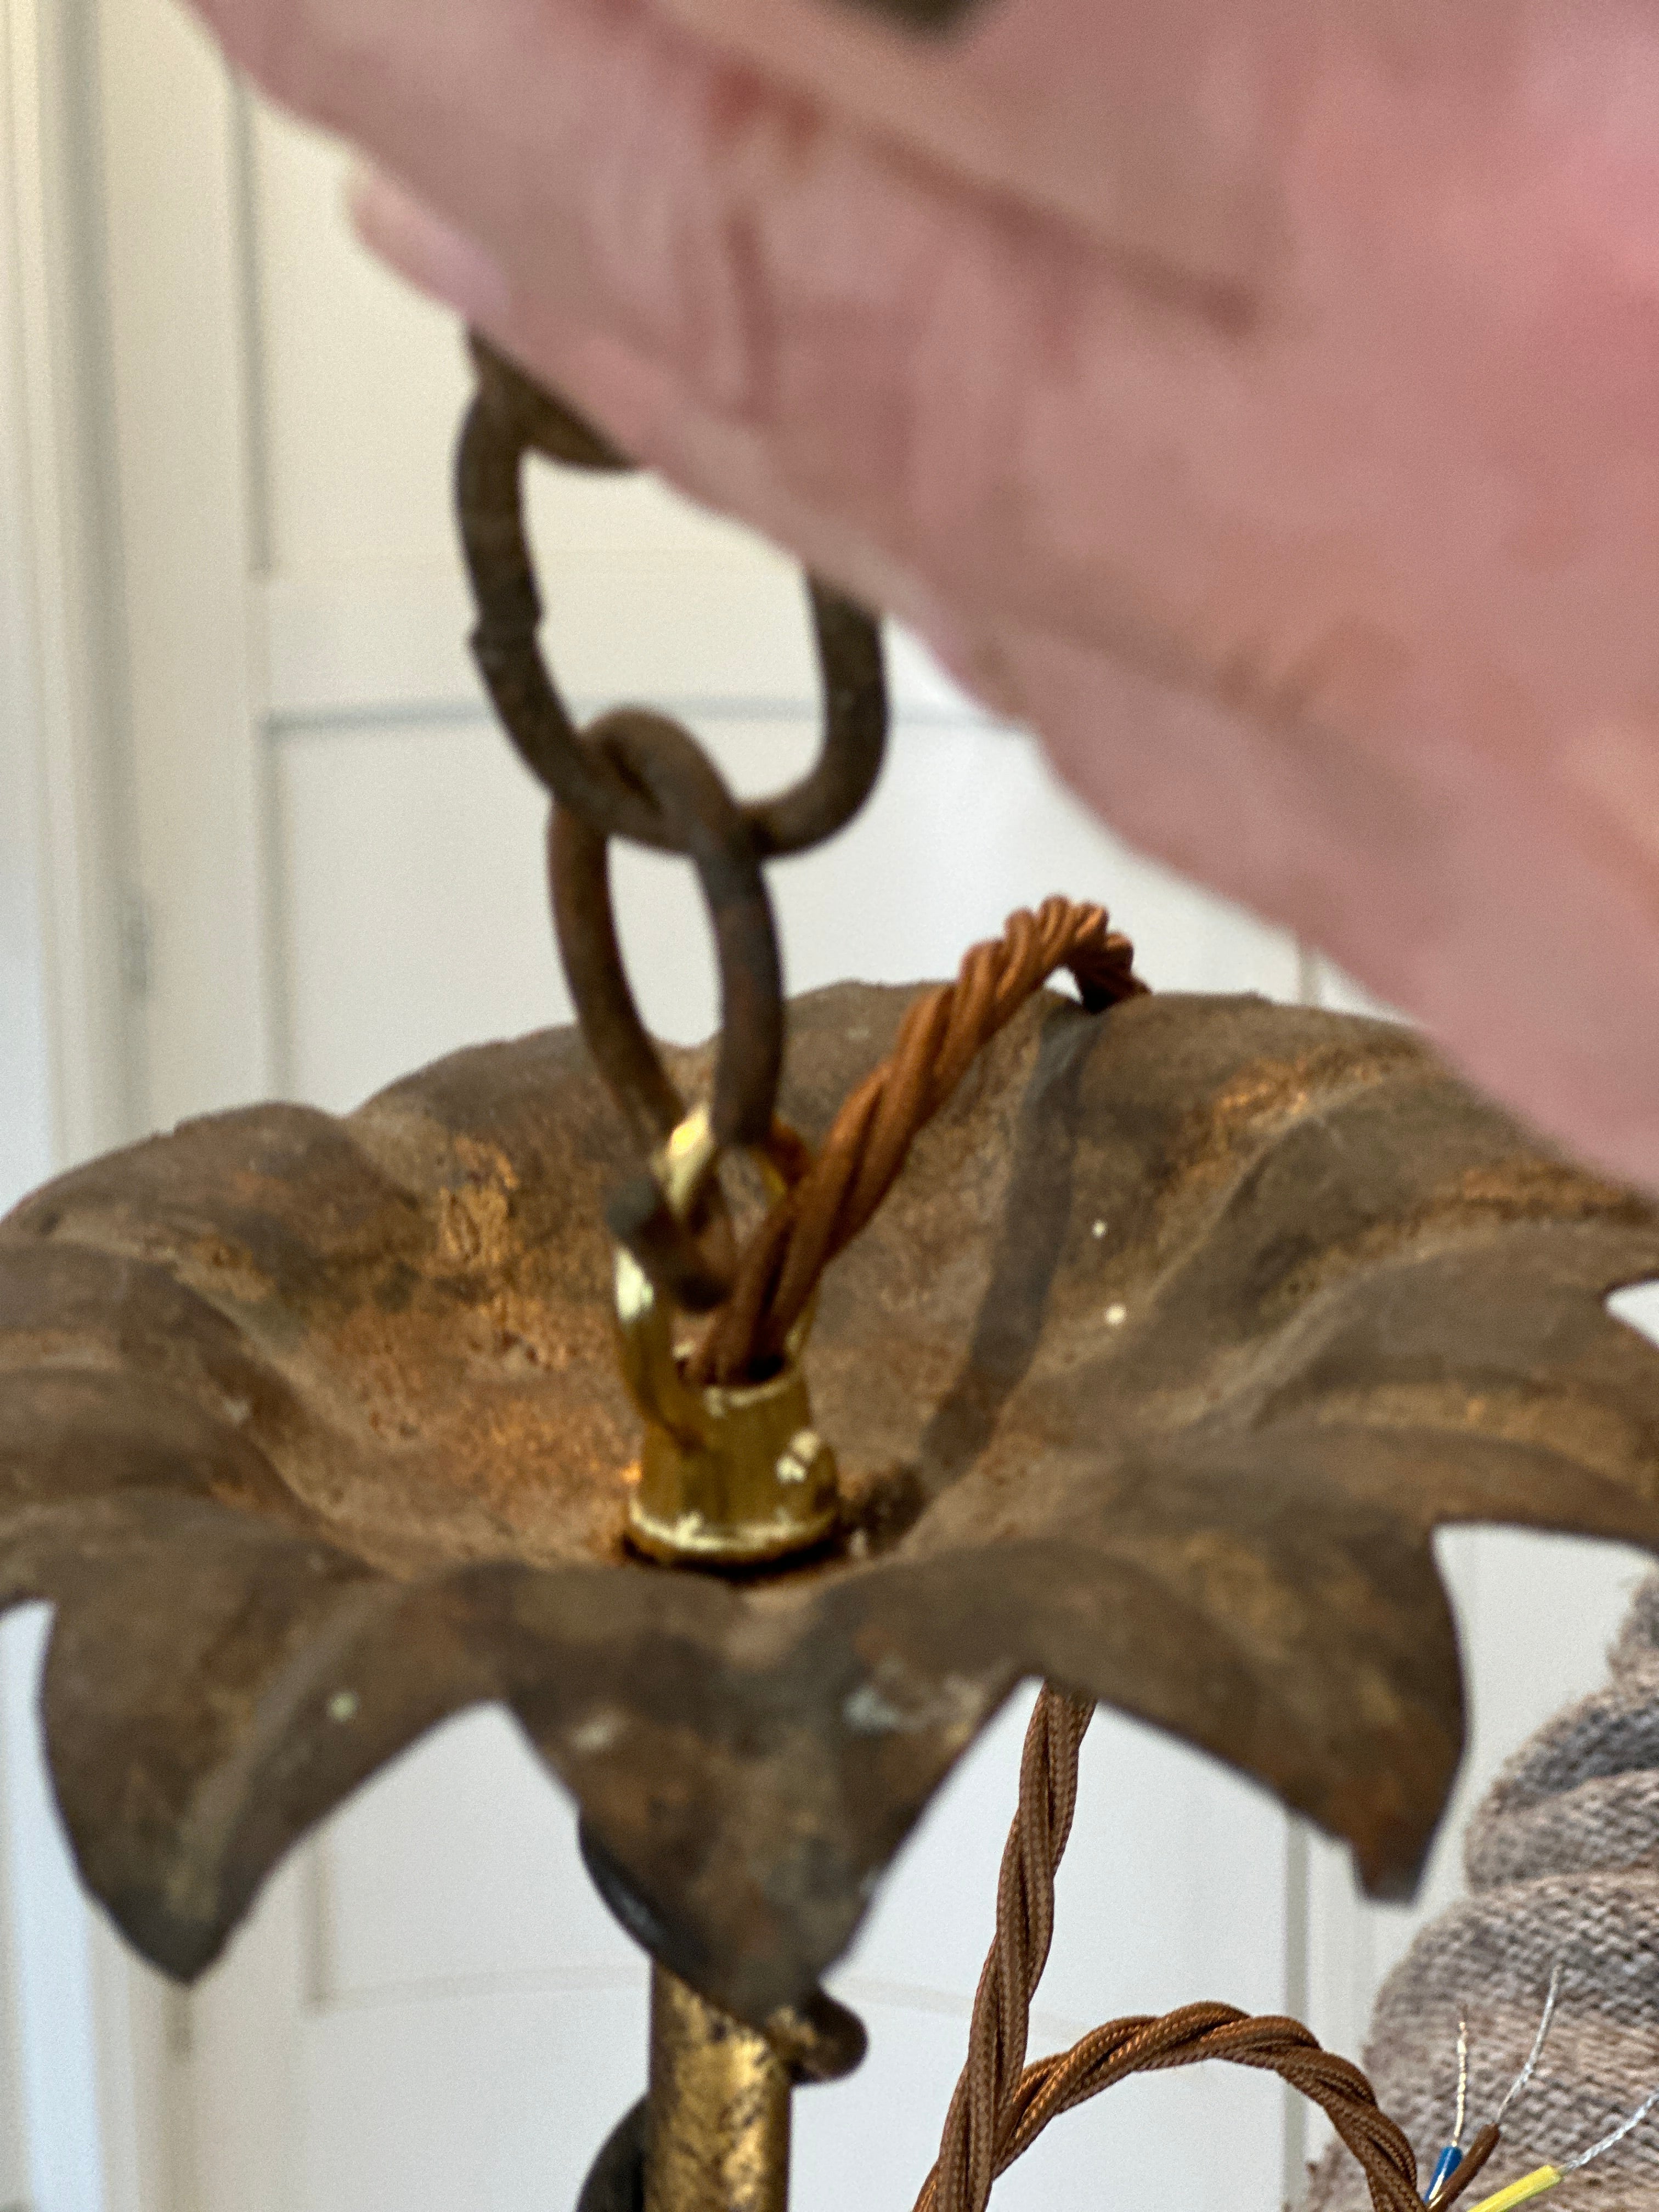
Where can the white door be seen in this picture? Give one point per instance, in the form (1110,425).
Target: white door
(341,867)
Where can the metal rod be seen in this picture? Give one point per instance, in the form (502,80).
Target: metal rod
(718,2136)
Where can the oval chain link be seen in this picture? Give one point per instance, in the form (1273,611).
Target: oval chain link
(638,774)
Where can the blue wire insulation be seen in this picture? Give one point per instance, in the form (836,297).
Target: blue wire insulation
(1450,2159)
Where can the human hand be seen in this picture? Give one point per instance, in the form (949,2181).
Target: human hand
(1261,397)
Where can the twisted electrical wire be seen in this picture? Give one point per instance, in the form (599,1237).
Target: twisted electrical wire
(870,1138)
(970,2150)
(1001,2104)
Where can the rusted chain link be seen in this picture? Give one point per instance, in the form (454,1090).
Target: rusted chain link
(871,1135)
(511,418)
(638,774)
(1001,2105)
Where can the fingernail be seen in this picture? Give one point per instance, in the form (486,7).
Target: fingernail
(428,249)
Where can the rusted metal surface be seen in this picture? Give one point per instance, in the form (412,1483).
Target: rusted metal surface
(1183,1329)
(510,420)
(718,2134)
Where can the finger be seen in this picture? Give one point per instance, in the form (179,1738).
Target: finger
(1507,897)
(1157,131)
(1508,900)
(1023,669)
(641,405)
(1327,482)
(847,359)
(435,254)
(1166,769)
(1412,484)
(1410,494)
(912,355)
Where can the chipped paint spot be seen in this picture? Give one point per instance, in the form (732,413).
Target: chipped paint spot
(599,1731)
(895,1703)
(343,1706)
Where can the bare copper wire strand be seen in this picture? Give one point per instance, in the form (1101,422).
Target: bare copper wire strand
(1001,2105)
(871,1135)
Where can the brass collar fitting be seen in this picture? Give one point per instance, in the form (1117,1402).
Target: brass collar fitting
(728,1476)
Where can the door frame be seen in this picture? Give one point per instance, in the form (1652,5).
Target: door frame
(82,2026)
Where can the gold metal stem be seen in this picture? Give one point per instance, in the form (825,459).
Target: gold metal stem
(720,2109)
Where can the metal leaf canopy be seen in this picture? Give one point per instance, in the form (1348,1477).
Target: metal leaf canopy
(1184,1327)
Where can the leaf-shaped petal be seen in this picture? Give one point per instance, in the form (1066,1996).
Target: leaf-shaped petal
(1182,1330)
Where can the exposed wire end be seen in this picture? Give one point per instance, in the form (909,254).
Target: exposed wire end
(1463,2083)
(1617,2135)
(1452,2157)
(1537,2051)
(1546,2176)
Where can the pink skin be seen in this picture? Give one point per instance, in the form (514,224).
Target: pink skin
(1260,397)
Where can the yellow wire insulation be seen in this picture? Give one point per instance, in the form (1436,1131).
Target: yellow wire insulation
(1530,2185)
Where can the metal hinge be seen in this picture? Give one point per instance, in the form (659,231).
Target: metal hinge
(137,940)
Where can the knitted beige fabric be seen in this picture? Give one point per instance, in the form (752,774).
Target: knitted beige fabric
(1563,1863)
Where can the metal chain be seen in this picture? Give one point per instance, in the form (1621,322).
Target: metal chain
(638,774)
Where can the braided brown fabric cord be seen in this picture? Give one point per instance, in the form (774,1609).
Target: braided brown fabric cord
(1001,2105)
(865,1149)
(968,2156)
